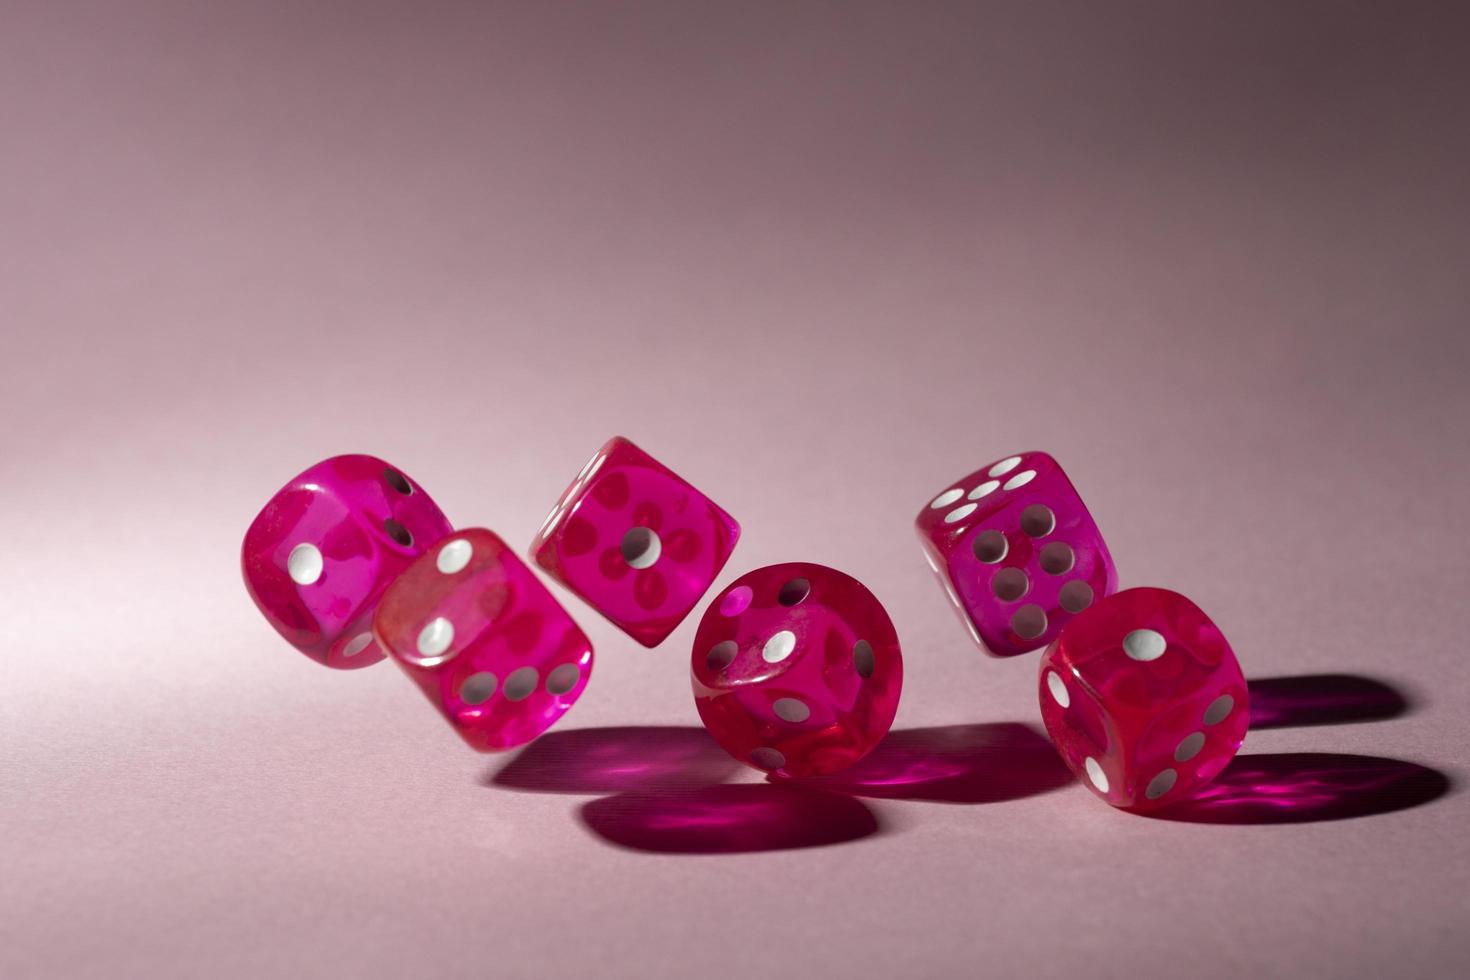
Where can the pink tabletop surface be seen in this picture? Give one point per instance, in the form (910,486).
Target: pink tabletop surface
(821,259)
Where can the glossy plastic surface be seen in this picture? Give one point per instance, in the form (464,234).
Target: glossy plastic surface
(318,556)
(796,669)
(1143,698)
(480,635)
(635,541)
(1016,551)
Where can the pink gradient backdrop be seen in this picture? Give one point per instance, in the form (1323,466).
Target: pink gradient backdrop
(819,258)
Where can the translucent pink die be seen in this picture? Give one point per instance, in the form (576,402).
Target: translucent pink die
(320,553)
(1016,551)
(797,669)
(635,541)
(1143,698)
(481,636)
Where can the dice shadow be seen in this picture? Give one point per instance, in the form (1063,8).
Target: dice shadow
(965,764)
(729,819)
(668,793)
(1323,699)
(1308,787)
(616,760)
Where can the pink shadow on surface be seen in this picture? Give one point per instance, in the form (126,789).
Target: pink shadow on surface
(1306,787)
(616,760)
(735,819)
(985,763)
(1322,699)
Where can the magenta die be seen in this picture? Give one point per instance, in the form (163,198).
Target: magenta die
(635,541)
(797,670)
(320,553)
(1143,698)
(480,635)
(1017,552)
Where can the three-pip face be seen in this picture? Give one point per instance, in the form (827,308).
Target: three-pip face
(796,669)
(484,640)
(1143,698)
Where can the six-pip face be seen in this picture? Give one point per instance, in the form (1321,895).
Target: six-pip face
(1016,551)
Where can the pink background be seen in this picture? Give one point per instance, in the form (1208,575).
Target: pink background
(821,259)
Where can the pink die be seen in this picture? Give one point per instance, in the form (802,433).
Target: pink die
(635,541)
(1017,552)
(481,636)
(797,669)
(1143,698)
(322,550)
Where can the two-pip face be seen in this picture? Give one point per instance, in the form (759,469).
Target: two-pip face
(319,555)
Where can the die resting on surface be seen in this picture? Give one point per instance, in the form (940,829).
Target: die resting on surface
(635,541)
(796,669)
(1016,551)
(1143,698)
(319,555)
(474,628)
